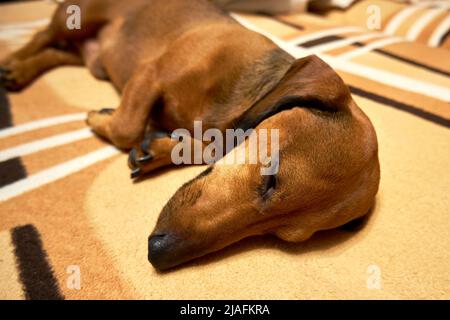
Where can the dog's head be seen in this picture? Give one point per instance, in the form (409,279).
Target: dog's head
(326,173)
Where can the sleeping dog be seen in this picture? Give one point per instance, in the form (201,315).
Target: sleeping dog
(178,61)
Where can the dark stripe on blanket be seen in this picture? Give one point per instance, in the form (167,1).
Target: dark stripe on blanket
(406,60)
(313,43)
(401,106)
(286,22)
(13,169)
(441,41)
(36,275)
(316,42)
(414,63)
(10,171)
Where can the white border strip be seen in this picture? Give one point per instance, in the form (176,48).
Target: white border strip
(402,15)
(345,42)
(285,45)
(421,23)
(381,76)
(439,32)
(38,124)
(12,34)
(55,173)
(391,79)
(321,34)
(43,144)
(369,47)
(25,25)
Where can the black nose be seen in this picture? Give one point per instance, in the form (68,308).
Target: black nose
(158,246)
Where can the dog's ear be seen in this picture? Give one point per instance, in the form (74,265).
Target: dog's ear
(310,78)
(309,83)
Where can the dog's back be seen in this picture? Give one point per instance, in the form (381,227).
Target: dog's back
(134,31)
(198,45)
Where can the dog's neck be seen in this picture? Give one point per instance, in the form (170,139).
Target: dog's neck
(309,82)
(255,81)
(263,76)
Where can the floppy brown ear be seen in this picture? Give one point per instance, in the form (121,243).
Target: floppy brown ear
(309,83)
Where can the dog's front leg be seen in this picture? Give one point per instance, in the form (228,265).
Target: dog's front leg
(125,126)
(20,73)
(39,42)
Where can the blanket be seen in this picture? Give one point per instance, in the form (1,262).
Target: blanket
(73,225)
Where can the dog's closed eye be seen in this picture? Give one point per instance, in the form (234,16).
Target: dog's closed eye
(268,186)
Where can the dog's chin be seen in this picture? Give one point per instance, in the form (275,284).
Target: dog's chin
(166,252)
(171,259)
(164,264)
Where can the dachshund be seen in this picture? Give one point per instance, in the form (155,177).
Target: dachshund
(180,61)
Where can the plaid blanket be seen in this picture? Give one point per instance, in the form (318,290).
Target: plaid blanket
(74,226)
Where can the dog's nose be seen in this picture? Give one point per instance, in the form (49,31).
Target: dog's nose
(157,247)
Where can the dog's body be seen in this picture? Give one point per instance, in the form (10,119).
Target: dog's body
(177,61)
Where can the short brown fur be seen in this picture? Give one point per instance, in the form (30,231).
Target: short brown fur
(176,61)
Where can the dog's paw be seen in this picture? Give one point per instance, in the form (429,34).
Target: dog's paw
(7,81)
(14,76)
(98,121)
(141,156)
(108,111)
(95,118)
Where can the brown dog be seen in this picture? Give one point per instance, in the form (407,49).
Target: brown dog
(176,61)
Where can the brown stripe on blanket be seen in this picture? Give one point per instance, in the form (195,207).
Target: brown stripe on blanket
(304,21)
(445,41)
(58,212)
(13,169)
(40,102)
(427,32)
(412,62)
(419,53)
(385,52)
(341,50)
(406,24)
(427,104)
(48,158)
(401,106)
(408,70)
(5,110)
(319,41)
(409,55)
(42,133)
(415,101)
(35,271)
(352,46)
(358,13)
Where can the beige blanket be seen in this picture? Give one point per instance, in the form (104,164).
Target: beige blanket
(73,225)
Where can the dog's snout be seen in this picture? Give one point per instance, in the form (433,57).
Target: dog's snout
(158,245)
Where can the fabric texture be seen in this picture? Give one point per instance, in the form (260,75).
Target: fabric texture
(74,226)
(426,22)
(267,6)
